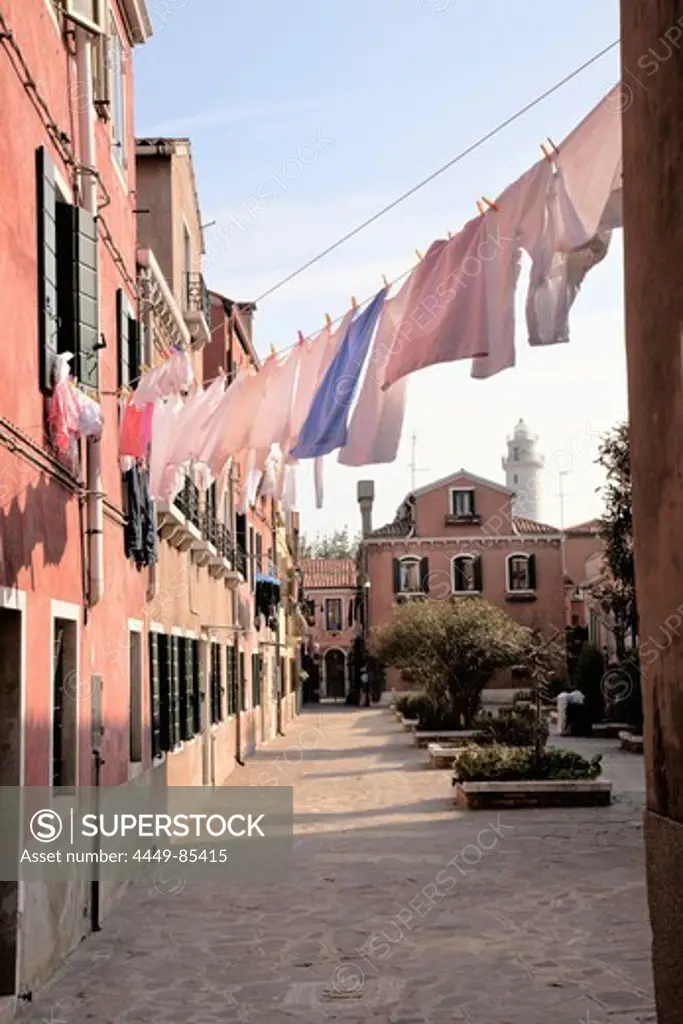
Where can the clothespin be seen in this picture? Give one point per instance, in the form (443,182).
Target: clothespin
(546,153)
(301,337)
(450,235)
(273,350)
(328,320)
(491,206)
(555,149)
(384,280)
(418,254)
(480,207)
(354,304)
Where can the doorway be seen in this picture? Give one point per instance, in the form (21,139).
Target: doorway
(335,675)
(11,681)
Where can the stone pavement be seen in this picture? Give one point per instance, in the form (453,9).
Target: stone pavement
(400,909)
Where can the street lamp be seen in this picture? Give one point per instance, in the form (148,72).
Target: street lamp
(365,676)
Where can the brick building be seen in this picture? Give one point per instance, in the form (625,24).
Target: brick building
(458,537)
(330,589)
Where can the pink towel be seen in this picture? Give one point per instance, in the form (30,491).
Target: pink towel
(136,430)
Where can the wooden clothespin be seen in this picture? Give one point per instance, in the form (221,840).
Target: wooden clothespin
(480,207)
(418,254)
(354,304)
(328,320)
(300,335)
(490,204)
(546,153)
(384,280)
(450,235)
(555,149)
(273,350)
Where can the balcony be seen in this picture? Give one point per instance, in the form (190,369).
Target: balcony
(187,503)
(197,312)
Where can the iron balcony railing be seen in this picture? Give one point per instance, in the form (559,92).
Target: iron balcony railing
(198,296)
(241,560)
(187,502)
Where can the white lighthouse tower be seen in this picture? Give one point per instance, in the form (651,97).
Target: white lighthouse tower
(522,466)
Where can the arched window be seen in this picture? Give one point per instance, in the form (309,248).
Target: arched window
(411,575)
(466,574)
(521,573)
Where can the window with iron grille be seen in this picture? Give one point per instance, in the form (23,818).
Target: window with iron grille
(155,696)
(64,704)
(186,688)
(196,686)
(216,684)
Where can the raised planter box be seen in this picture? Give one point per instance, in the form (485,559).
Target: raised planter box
(610,730)
(408,724)
(442,756)
(476,796)
(454,738)
(629,741)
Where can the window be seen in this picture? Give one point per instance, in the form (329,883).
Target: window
(521,573)
(333,614)
(118,95)
(196,685)
(165,687)
(216,684)
(411,575)
(135,697)
(256,670)
(515,479)
(252,558)
(259,553)
(101,79)
(515,454)
(231,681)
(89,13)
(462,502)
(467,574)
(186,688)
(187,265)
(65,703)
(128,341)
(155,694)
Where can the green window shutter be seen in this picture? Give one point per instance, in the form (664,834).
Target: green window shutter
(187,709)
(87,298)
(397,576)
(242,683)
(155,695)
(478,574)
(230,660)
(532,572)
(196,686)
(457,575)
(46,199)
(128,341)
(175,691)
(165,692)
(424,575)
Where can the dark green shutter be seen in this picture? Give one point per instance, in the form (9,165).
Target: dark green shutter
(187,720)
(397,576)
(165,692)
(241,683)
(196,686)
(128,341)
(46,198)
(457,575)
(155,721)
(478,574)
(473,505)
(424,575)
(532,572)
(78,290)
(175,691)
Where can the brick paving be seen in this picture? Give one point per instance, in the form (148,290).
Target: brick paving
(400,909)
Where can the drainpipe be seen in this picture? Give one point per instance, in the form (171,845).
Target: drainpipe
(88,189)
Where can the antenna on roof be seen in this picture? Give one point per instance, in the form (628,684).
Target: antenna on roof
(414,468)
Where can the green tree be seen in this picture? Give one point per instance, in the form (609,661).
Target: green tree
(336,545)
(451,649)
(616,587)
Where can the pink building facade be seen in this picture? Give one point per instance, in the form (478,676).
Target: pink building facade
(456,538)
(330,589)
(67,251)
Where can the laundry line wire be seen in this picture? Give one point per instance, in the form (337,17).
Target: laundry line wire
(440,170)
(386,209)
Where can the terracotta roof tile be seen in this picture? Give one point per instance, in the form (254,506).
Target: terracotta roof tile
(321,573)
(399,528)
(590,526)
(523,525)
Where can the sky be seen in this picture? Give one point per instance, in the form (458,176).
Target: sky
(329,111)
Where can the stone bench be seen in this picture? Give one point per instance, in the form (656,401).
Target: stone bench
(442,756)
(453,738)
(477,796)
(629,741)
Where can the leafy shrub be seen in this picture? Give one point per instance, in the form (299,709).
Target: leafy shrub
(514,727)
(522,697)
(412,705)
(551,690)
(509,764)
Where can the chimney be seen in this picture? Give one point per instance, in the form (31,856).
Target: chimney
(366,496)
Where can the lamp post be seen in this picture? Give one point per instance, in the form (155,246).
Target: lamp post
(365,675)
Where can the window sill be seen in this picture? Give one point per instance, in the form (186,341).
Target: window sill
(452,520)
(520,595)
(467,593)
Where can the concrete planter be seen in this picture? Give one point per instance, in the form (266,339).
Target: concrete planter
(454,738)
(477,796)
(629,741)
(443,756)
(610,730)
(408,724)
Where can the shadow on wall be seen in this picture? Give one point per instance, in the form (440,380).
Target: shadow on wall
(37,515)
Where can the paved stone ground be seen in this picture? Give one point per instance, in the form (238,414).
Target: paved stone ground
(539,918)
